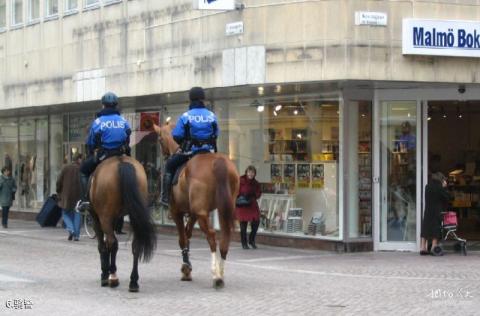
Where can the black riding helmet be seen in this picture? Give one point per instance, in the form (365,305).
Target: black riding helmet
(110,100)
(196,94)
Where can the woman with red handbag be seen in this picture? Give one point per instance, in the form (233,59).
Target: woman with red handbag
(247,209)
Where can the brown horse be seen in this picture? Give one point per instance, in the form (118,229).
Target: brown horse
(208,181)
(118,188)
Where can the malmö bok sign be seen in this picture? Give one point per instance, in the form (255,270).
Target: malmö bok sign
(214,4)
(441,38)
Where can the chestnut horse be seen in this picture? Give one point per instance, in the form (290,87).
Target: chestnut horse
(208,181)
(119,187)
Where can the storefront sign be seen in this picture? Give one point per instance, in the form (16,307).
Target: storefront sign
(214,4)
(370,18)
(234,28)
(441,38)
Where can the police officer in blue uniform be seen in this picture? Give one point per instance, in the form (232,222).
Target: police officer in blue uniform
(196,132)
(109,136)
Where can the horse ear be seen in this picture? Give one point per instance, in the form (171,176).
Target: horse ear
(157,129)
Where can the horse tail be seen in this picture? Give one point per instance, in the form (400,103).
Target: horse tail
(144,237)
(223,196)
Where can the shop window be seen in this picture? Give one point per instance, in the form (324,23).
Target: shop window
(9,148)
(3,14)
(17,12)
(51,8)
(33,162)
(295,147)
(71,6)
(359,168)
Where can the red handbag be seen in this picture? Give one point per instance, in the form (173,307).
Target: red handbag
(450,219)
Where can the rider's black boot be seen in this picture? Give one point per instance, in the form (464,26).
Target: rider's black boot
(166,183)
(83,204)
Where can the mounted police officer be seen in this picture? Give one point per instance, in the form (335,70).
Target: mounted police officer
(196,132)
(109,136)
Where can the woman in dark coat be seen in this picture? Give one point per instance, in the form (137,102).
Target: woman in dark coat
(7,191)
(437,199)
(249,188)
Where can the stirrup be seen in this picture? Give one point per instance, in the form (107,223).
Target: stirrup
(164,203)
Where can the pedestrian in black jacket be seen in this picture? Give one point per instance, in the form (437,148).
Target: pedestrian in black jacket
(437,199)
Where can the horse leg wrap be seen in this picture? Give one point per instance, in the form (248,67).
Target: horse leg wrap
(185,257)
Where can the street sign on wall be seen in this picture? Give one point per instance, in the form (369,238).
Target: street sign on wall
(214,4)
(441,38)
(370,18)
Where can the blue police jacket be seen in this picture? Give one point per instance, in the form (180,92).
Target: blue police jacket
(198,125)
(109,131)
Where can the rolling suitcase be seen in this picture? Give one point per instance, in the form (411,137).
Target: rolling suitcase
(50,212)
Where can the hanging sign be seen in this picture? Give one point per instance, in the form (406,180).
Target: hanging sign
(147,119)
(214,4)
(441,38)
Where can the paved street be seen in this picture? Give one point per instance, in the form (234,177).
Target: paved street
(52,276)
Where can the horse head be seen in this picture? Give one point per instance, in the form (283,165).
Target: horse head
(165,138)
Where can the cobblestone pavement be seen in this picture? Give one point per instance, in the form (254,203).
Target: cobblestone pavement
(42,271)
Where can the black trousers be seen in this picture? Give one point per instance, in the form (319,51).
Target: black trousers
(5,211)
(253,233)
(175,161)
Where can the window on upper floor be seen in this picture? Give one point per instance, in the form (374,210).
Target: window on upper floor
(17,12)
(33,10)
(71,5)
(3,14)
(107,2)
(51,7)
(92,3)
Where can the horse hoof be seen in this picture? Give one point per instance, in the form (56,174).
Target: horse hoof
(113,282)
(186,278)
(133,287)
(218,284)
(186,268)
(104,282)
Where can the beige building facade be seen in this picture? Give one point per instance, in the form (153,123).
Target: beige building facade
(323,97)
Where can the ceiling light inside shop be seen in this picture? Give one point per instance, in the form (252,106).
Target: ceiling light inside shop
(295,112)
(408,114)
(459,114)
(260,90)
(278,107)
(275,113)
(260,108)
(299,136)
(278,88)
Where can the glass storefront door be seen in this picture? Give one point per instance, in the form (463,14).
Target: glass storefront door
(398,160)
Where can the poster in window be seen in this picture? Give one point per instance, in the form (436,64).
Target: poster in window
(318,180)
(303,175)
(289,173)
(276,172)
